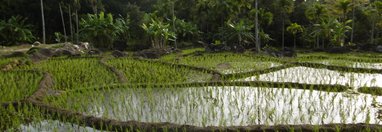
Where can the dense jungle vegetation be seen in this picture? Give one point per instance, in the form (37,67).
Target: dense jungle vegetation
(141,24)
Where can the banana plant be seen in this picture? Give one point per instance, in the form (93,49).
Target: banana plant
(339,32)
(15,30)
(101,29)
(238,31)
(295,28)
(159,33)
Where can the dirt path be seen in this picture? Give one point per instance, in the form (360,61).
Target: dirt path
(121,76)
(45,85)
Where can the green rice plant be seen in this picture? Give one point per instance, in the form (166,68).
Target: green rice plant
(4,61)
(76,73)
(355,57)
(226,62)
(151,72)
(17,85)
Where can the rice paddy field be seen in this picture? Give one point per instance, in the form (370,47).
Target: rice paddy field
(194,91)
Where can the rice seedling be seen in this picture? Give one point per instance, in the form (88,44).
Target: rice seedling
(159,92)
(321,76)
(214,106)
(151,72)
(17,85)
(4,61)
(76,73)
(227,63)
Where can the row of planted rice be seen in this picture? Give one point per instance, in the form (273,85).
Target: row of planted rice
(209,105)
(226,63)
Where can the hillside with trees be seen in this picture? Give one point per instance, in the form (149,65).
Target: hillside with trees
(157,23)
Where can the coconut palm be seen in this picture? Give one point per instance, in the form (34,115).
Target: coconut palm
(344,7)
(374,13)
(286,7)
(315,13)
(295,28)
(43,22)
(238,31)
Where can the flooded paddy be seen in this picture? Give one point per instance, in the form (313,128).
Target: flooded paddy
(227,106)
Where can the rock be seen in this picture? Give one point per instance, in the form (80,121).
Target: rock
(225,65)
(215,78)
(198,53)
(226,48)
(339,50)
(378,49)
(118,54)
(94,52)
(41,51)
(36,56)
(238,49)
(288,52)
(152,53)
(64,52)
(70,50)
(366,47)
(16,54)
(36,43)
(85,45)
(318,50)
(120,45)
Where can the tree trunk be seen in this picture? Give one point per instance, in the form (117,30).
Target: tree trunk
(63,23)
(283,33)
(353,24)
(173,23)
(294,42)
(70,24)
(77,29)
(323,43)
(43,22)
(258,44)
(318,41)
(372,32)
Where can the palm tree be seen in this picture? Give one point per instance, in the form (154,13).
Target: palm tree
(43,22)
(286,8)
(315,13)
(295,28)
(63,21)
(240,31)
(324,29)
(373,11)
(344,6)
(258,44)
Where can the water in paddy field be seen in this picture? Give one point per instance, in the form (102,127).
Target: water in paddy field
(320,76)
(232,106)
(254,64)
(53,125)
(358,64)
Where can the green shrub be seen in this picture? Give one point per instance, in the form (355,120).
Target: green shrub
(14,31)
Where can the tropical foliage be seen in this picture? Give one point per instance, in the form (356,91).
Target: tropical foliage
(203,20)
(101,29)
(15,30)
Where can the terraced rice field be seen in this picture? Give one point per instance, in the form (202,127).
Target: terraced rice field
(193,92)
